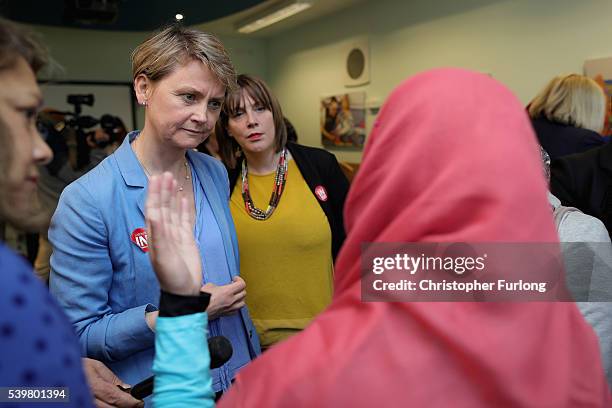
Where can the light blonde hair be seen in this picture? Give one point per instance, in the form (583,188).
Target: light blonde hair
(175,45)
(573,100)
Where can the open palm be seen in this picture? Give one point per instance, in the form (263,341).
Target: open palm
(172,249)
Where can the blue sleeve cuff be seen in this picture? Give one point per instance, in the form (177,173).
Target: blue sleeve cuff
(122,334)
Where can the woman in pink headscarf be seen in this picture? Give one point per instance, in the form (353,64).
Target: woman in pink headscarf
(474,177)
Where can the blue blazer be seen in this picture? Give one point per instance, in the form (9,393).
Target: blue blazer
(105,281)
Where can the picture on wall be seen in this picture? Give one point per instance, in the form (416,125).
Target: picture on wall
(343,121)
(601,71)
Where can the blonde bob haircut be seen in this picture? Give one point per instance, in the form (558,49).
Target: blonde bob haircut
(175,45)
(573,100)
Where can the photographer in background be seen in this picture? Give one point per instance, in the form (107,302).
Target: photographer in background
(76,150)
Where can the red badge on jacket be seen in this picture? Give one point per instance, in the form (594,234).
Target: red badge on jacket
(321,193)
(139,237)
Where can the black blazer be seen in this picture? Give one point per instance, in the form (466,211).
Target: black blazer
(562,140)
(584,181)
(319,168)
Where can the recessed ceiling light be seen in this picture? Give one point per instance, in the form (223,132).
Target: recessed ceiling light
(179,17)
(275,15)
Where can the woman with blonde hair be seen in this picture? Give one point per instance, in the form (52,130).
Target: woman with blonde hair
(100,270)
(568,115)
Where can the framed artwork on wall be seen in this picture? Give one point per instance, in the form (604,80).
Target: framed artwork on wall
(343,125)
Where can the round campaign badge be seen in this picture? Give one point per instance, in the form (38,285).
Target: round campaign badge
(321,193)
(139,237)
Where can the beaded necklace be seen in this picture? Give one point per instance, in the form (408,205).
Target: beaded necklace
(279,185)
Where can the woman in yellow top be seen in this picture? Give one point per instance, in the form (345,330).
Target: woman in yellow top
(286,202)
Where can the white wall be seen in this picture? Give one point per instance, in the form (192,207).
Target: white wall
(90,55)
(522,43)
(96,55)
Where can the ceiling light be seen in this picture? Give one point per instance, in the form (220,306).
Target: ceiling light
(273,16)
(179,17)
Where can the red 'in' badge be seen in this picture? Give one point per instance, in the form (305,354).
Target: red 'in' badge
(139,237)
(321,193)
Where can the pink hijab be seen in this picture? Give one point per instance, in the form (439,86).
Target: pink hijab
(452,158)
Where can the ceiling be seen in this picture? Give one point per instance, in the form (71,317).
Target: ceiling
(220,16)
(131,15)
(320,8)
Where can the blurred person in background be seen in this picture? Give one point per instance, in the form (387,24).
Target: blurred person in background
(568,115)
(587,252)
(63,169)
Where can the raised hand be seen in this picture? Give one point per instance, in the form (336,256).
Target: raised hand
(172,249)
